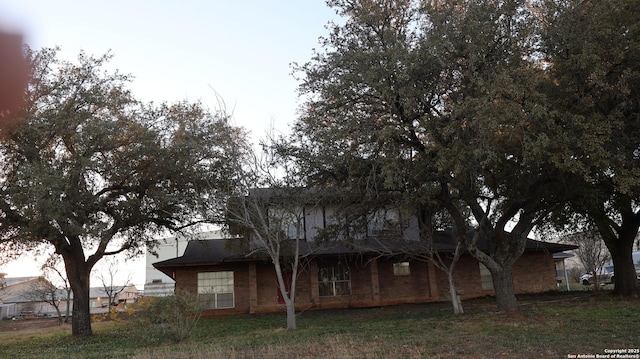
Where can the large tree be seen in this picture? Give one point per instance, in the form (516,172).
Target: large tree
(487,140)
(592,49)
(441,103)
(92,172)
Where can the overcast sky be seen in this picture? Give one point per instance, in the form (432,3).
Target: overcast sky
(242,49)
(189,49)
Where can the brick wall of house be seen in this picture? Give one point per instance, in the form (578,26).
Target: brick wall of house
(360,283)
(466,276)
(187,279)
(401,288)
(303,289)
(266,284)
(534,272)
(267,287)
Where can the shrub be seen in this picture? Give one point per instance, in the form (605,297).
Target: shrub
(115,313)
(174,316)
(575,273)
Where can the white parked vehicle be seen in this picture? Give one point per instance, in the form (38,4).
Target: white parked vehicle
(605,276)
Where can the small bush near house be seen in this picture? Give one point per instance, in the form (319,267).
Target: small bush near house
(174,316)
(575,273)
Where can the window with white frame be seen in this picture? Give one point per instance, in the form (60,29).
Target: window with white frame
(485,277)
(334,280)
(216,289)
(401,268)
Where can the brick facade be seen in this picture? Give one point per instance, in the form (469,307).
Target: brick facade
(373,282)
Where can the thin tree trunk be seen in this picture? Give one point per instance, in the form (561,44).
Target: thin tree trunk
(288,297)
(503,288)
(291,315)
(59,314)
(455,299)
(596,279)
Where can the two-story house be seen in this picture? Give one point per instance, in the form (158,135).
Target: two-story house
(374,269)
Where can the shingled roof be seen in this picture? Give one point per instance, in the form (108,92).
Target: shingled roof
(217,251)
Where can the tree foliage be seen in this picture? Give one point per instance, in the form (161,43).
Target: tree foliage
(93,172)
(431,103)
(463,105)
(593,50)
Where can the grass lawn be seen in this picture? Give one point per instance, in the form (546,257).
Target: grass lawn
(547,326)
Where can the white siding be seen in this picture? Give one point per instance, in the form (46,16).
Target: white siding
(158,283)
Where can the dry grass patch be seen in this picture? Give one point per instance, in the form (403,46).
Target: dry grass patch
(549,326)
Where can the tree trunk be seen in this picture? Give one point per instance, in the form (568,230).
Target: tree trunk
(81,317)
(288,296)
(625,277)
(619,240)
(596,279)
(455,299)
(291,315)
(78,274)
(57,308)
(503,288)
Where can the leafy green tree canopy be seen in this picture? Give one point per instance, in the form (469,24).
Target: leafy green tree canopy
(444,103)
(593,53)
(93,172)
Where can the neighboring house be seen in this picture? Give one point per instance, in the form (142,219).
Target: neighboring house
(25,297)
(99,300)
(8,311)
(562,273)
(344,274)
(158,284)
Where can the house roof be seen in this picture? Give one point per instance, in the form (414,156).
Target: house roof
(9,281)
(562,255)
(217,251)
(100,292)
(32,296)
(21,289)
